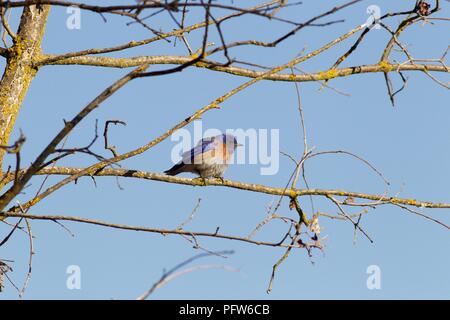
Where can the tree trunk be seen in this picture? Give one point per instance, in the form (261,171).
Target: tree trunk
(19,70)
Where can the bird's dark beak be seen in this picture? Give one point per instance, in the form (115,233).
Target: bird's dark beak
(238,145)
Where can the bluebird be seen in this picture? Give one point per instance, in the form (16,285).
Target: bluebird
(209,158)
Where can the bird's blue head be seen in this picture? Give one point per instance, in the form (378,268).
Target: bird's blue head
(230,141)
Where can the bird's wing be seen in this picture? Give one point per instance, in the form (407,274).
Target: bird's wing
(204,145)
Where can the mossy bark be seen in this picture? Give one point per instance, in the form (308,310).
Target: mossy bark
(19,70)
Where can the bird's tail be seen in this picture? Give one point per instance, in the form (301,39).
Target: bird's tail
(176,169)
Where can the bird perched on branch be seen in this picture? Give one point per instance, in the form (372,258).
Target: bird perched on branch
(209,158)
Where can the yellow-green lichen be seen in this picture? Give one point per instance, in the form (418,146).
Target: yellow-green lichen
(385,66)
(326,75)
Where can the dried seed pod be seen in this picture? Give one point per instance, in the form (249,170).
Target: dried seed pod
(423,8)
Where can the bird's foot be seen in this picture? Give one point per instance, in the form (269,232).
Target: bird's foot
(221,179)
(202,180)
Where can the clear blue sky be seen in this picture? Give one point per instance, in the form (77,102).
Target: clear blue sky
(410,144)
